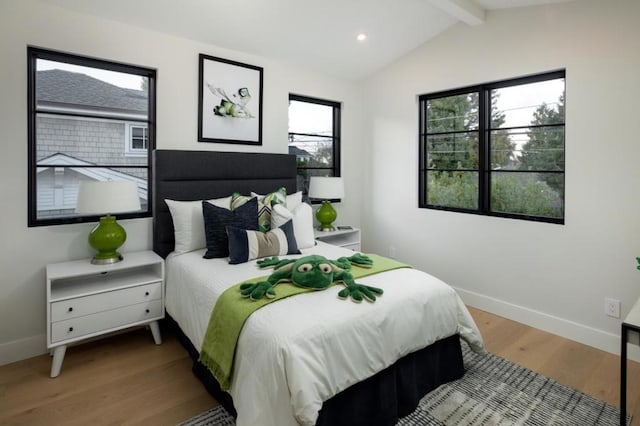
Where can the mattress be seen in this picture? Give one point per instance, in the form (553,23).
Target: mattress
(300,351)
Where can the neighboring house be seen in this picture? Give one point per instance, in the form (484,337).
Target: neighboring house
(301,154)
(86,122)
(58,186)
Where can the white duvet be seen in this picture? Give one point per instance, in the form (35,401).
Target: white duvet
(298,352)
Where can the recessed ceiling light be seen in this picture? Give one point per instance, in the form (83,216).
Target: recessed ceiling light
(361,37)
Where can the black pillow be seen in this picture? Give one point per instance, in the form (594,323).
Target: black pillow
(216,220)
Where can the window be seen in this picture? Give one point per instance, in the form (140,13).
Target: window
(496,149)
(89,119)
(136,139)
(314,137)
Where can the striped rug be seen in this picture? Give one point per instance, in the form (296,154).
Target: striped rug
(493,391)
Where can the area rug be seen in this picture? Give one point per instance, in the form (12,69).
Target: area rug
(493,391)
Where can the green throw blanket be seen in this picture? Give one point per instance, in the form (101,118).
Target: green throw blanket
(232,310)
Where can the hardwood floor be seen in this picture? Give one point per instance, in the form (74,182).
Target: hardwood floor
(127,380)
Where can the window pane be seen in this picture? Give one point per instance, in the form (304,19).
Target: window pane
(453,189)
(452,151)
(310,118)
(543,149)
(138,137)
(57,187)
(452,113)
(503,145)
(312,151)
(314,138)
(89,123)
(533,194)
(82,141)
(525,104)
(67,87)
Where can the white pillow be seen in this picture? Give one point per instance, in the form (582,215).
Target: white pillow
(188,222)
(302,217)
(294,200)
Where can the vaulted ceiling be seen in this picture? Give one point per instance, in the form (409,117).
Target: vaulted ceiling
(312,34)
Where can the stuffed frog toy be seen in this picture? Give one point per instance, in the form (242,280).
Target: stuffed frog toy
(313,272)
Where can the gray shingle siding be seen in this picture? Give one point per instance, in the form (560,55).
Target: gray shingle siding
(99,142)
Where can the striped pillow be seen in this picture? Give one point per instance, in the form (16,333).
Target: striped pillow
(246,245)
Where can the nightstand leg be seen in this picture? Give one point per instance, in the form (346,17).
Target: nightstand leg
(56,362)
(155,330)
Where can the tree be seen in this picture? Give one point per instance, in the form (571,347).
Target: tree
(453,122)
(501,145)
(544,151)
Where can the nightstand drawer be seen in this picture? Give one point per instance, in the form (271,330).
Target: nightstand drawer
(104,321)
(81,306)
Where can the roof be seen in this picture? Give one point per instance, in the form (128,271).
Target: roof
(298,152)
(58,87)
(95,173)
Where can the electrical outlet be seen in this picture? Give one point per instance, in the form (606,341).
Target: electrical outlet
(612,307)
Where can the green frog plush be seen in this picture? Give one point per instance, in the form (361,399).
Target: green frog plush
(313,272)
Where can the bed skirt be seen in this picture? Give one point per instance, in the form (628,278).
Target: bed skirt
(379,400)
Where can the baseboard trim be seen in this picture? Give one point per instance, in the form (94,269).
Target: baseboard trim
(581,333)
(18,350)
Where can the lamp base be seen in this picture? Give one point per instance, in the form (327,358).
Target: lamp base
(106,238)
(326,214)
(106,261)
(329,229)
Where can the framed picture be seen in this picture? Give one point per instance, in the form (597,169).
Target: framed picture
(229,102)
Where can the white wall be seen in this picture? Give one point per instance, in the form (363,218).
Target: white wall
(24,251)
(554,277)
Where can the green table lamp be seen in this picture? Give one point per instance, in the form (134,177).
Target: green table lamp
(326,188)
(108,197)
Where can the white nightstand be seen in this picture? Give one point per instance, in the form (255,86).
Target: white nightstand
(631,324)
(348,238)
(86,300)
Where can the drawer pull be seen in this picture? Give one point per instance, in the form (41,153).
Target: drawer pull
(147,311)
(70,329)
(146,293)
(70,309)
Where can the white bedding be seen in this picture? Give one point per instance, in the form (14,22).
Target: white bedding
(298,352)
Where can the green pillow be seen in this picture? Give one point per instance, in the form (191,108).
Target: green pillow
(279,196)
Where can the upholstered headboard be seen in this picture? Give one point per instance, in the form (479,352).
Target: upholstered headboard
(201,175)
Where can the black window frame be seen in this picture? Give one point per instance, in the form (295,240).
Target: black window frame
(336,136)
(35,53)
(484,169)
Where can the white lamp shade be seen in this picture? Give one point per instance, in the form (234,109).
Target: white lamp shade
(95,197)
(326,188)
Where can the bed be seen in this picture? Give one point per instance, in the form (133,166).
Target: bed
(326,361)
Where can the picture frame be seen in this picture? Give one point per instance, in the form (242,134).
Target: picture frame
(229,101)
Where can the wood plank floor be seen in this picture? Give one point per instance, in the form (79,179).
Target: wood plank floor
(127,380)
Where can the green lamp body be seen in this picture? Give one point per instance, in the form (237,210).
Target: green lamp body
(106,238)
(326,214)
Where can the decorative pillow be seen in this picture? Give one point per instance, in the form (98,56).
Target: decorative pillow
(302,218)
(245,245)
(217,219)
(294,200)
(188,223)
(264,205)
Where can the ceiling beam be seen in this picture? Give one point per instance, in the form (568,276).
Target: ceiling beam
(464,10)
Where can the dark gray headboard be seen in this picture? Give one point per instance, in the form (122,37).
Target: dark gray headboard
(201,175)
